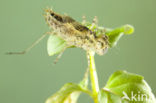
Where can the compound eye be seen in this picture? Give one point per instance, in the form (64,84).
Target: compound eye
(52,14)
(57,17)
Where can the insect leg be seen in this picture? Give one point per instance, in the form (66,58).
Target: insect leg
(95,20)
(30,47)
(59,55)
(83,20)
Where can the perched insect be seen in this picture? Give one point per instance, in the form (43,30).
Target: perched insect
(73,32)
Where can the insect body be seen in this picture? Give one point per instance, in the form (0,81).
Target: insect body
(75,34)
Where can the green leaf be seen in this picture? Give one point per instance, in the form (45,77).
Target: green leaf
(55,45)
(124,86)
(115,34)
(108,97)
(70,92)
(67,92)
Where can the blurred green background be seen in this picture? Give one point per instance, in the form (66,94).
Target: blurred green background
(31,78)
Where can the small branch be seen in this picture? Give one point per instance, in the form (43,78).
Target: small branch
(93,76)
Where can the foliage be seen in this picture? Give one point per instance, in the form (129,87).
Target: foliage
(122,87)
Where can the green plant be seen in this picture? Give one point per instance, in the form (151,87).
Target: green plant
(122,87)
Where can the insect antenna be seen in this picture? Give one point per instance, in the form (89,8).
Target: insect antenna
(30,47)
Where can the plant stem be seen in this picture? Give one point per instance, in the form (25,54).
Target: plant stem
(93,75)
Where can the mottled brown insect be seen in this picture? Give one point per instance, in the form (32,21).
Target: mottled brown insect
(75,34)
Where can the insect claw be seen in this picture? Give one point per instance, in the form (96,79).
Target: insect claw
(58,57)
